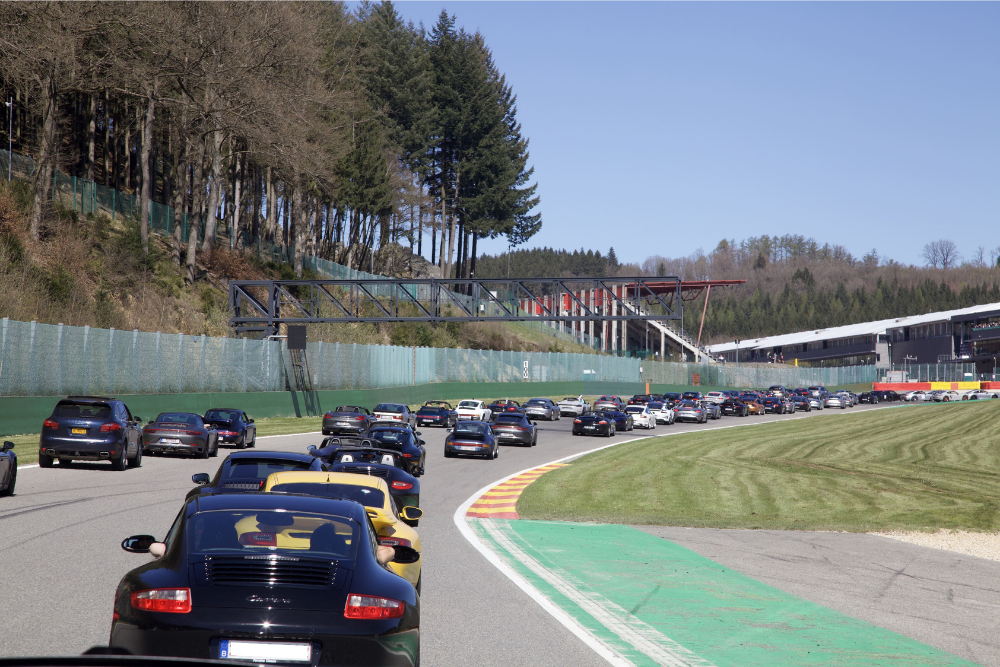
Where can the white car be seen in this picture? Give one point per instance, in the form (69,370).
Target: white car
(473,410)
(573,407)
(947,395)
(981,394)
(918,396)
(641,416)
(716,397)
(663,413)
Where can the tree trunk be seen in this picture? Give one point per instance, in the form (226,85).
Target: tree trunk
(107,142)
(444,224)
(451,228)
(299,229)
(178,139)
(148,179)
(198,196)
(237,201)
(43,176)
(91,135)
(255,204)
(272,207)
(216,190)
(472,266)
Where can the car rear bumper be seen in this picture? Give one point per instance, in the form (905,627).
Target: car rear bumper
(508,437)
(467,449)
(186,445)
(88,449)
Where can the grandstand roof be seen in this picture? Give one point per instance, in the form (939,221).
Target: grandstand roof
(849,330)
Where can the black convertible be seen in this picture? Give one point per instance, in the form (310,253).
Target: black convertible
(234,426)
(404,441)
(269,578)
(347,419)
(389,464)
(595,423)
(437,413)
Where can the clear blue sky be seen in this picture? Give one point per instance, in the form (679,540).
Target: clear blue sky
(660,128)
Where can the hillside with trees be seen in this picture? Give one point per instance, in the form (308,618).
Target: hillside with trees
(330,131)
(794,283)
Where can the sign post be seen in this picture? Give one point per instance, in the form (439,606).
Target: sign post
(525,369)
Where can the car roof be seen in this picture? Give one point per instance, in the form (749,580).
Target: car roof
(230,409)
(317,477)
(270,501)
(278,456)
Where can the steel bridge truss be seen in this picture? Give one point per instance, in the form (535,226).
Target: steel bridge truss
(261,306)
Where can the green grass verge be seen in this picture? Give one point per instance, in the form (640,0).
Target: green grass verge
(913,468)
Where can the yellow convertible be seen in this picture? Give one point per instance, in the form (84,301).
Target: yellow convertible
(373,493)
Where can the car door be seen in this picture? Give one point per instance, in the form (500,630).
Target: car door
(251,428)
(130,440)
(5,460)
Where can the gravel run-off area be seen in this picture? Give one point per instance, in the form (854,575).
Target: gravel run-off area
(981,545)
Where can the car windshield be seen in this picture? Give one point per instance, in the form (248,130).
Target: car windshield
(690,404)
(222,415)
(389,407)
(391,437)
(365,495)
(83,410)
(349,408)
(569,398)
(656,405)
(250,470)
(179,418)
(537,401)
(469,404)
(269,532)
(509,419)
(634,410)
(471,428)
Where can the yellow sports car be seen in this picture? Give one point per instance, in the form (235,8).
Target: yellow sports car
(373,493)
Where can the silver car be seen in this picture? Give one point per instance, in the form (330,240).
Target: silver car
(541,408)
(835,401)
(713,409)
(573,407)
(690,411)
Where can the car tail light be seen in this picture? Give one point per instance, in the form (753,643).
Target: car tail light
(192,432)
(329,414)
(602,422)
(402,485)
(577,421)
(220,433)
(149,430)
(109,428)
(394,542)
(407,456)
(50,423)
(359,419)
(520,428)
(371,607)
(169,600)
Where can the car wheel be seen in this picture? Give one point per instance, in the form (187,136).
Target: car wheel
(137,461)
(534,440)
(253,441)
(947,399)
(215,450)
(9,491)
(45,461)
(449,455)
(203,455)
(121,462)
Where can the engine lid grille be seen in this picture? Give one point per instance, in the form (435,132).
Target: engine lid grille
(269,571)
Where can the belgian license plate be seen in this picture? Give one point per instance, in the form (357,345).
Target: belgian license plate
(469,449)
(342,424)
(591,427)
(507,435)
(265,651)
(79,431)
(170,441)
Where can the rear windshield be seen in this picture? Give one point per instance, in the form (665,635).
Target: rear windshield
(179,418)
(655,405)
(349,408)
(537,401)
(83,410)
(672,396)
(365,495)
(469,404)
(266,532)
(222,415)
(389,407)
(633,410)
(509,419)
(391,437)
(248,470)
(465,429)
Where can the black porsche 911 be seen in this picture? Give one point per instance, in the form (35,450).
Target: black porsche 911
(180,432)
(515,429)
(269,578)
(405,441)
(471,438)
(364,459)
(734,407)
(235,427)
(246,471)
(347,420)
(595,423)
(437,413)
(8,469)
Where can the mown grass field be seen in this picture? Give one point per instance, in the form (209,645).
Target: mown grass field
(912,468)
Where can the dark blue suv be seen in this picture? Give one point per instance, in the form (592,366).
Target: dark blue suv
(91,428)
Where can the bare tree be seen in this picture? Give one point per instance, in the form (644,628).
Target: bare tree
(942,253)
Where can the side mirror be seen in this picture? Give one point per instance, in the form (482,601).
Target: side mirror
(405,555)
(422,442)
(417,433)
(534,423)
(137,420)
(200,478)
(385,554)
(138,544)
(311,448)
(411,513)
(448,429)
(8,445)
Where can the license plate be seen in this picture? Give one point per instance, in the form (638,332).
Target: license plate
(590,427)
(170,441)
(468,449)
(507,435)
(265,651)
(79,431)
(342,424)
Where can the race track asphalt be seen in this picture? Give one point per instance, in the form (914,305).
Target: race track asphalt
(60,558)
